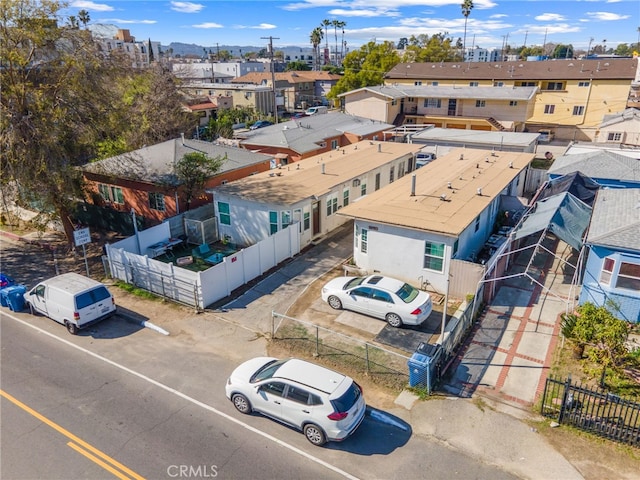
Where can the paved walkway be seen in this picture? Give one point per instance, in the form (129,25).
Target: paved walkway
(509,353)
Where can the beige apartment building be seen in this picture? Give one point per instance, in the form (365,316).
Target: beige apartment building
(573,96)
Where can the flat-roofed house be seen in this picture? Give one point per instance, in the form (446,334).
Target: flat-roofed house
(309,193)
(445,211)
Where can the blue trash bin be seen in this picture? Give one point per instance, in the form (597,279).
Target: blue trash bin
(418,367)
(14,297)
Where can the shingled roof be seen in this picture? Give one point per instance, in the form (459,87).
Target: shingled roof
(570,69)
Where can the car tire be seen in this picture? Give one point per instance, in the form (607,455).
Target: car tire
(242,403)
(334,302)
(394,320)
(315,434)
(72,328)
(32,310)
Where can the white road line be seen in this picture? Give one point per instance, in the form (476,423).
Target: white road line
(189,399)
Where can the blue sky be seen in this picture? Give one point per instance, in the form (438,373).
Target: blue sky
(490,23)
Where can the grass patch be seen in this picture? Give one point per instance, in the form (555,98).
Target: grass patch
(138,292)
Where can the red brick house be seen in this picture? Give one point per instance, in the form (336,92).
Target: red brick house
(144,180)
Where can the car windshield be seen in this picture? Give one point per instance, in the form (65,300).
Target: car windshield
(267,371)
(407,293)
(353,282)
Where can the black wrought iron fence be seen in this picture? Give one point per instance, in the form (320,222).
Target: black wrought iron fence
(596,411)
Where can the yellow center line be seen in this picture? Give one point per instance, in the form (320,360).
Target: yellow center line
(72,437)
(95,459)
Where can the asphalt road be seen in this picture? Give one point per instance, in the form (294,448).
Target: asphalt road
(122,398)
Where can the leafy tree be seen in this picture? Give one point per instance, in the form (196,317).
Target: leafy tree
(402,44)
(437,48)
(193,170)
(562,51)
(297,65)
(366,66)
(599,329)
(65,102)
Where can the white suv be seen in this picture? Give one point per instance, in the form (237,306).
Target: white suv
(323,404)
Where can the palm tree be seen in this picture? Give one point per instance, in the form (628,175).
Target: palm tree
(342,42)
(467,6)
(325,23)
(84,18)
(335,24)
(316,40)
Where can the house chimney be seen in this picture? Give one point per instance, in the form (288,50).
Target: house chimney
(413,184)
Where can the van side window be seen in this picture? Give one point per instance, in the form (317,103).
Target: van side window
(40,290)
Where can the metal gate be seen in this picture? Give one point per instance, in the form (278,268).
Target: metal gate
(595,411)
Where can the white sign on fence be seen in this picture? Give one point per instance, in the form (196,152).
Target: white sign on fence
(82,236)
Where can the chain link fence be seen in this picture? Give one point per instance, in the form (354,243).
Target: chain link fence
(348,354)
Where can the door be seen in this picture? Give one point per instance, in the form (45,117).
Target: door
(37,300)
(315,216)
(380,303)
(268,399)
(358,300)
(297,406)
(452,107)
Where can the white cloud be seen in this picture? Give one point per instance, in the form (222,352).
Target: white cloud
(262,26)
(119,20)
(606,16)
(186,7)
(207,25)
(88,5)
(550,17)
(364,13)
(382,5)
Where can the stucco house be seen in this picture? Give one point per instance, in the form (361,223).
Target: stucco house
(607,168)
(310,192)
(459,106)
(312,135)
(415,228)
(144,180)
(612,271)
(621,128)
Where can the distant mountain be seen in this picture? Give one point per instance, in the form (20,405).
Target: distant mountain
(293,52)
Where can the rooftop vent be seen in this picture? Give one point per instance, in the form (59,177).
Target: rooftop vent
(443,198)
(479,192)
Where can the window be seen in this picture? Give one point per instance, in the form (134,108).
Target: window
(363,189)
(513,103)
(549,109)
(273,388)
(498,84)
(285,218)
(432,103)
(363,240)
(578,110)
(225,213)
(334,144)
(391,174)
(525,84)
(273,222)
(614,136)
(345,197)
(417,83)
(435,84)
(377,182)
(401,169)
(555,86)
(156,201)
(477,225)
(298,395)
(607,270)
(332,204)
(480,104)
(111,193)
(584,84)
(381,296)
(629,276)
(473,84)
(434,256)
(306,220)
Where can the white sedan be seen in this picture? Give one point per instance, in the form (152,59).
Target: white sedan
(381,297)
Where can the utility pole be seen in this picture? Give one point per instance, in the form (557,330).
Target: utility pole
(273,76)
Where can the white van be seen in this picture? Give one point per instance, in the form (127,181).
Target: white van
(314,110)
(71,299)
